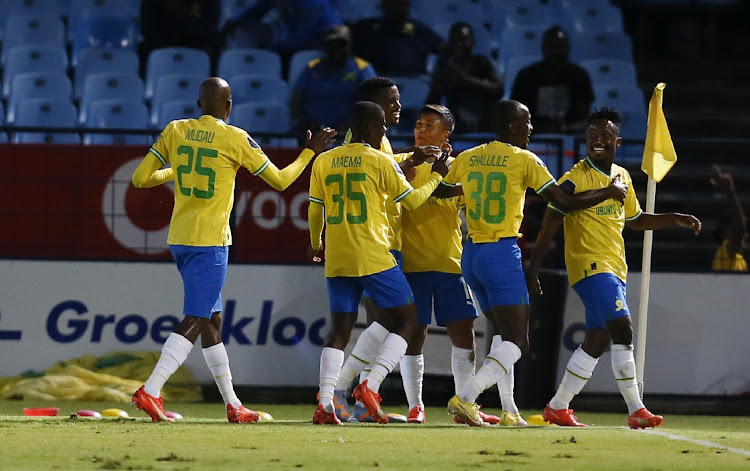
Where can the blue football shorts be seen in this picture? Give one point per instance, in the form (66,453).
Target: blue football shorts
(448,293)
(603,296)
(399,262)
(203,270)
(388,289)
(495,273)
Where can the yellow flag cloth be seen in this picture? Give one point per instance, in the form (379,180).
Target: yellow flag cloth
(658,153)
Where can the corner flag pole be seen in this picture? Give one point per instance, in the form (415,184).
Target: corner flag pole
(648,239)
(658,157)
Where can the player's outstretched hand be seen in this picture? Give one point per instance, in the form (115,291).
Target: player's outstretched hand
(441,164)
(689,221)
(320,141)
(618,189)
(532,281)
(422,153)
(315,256)
(722,181)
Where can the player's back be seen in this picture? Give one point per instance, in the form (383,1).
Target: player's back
(495,177)
(352,181)
(204,154)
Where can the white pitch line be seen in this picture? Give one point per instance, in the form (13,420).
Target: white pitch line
(683,438)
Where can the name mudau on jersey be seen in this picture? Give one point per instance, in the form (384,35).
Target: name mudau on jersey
(346,161)
(199,135)
(489,160)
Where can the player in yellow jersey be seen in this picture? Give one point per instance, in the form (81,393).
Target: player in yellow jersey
(203,156)
(350,185)
(595,259)
(432,246)
(494,178)
(384,92)
(731,230)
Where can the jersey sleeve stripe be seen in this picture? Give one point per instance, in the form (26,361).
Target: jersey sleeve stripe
(316,200)
(545,186)
(635,217)
(262,167)
(158,156)
(556,209)
(443,182)
(403,195)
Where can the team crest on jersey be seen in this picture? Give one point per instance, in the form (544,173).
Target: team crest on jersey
(252,143)
(539,161)
(398,169)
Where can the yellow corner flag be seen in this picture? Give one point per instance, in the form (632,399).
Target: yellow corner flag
(658,153)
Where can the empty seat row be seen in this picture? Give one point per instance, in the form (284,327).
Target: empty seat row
(131,115)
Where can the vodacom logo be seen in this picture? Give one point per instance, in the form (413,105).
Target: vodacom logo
(137,218)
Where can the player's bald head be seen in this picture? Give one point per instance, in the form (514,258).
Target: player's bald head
(215,97)
(503,113)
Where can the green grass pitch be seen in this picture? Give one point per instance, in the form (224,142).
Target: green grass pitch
(205,441)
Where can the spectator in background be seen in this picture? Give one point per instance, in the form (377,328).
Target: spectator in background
(326,90)
(731,231)
(468,82)
(180,23)
(395,44)
(557,91)
(292,25)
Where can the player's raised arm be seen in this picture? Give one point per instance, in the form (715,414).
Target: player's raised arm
(314,145)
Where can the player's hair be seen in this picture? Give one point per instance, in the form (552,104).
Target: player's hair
(503,113)
(553,32)
(362,114)
(606,113)
(369,88)
(445,114)
(462,24)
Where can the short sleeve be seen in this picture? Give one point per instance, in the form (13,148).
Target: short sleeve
(251,156)
(395,180)
(537,175)
(160,149)
(632,206)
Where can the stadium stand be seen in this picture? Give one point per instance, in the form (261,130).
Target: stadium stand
(103,32)
(22,59)
(624,98)
(299,61)
(101,60)
(114,114)
(46,29)
(109,86)
(263,118)
(259,88)
(610,71)
(49,113)
(47,85)
(244,61)
(171,110)
(175,60)
(600,45)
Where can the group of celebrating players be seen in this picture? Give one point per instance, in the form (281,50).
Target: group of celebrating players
(393,240)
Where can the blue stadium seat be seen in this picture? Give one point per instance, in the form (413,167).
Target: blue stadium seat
(607,45)
(486,45)
(520,41)
(633,133)
(299,61)
(263,118)
(523,13)
(22,59)
(175,60)
(103,32)
(595,18)
(99,60)
(49,113)
(171,110)
(117,114)
(352,11)
(229,8)
(47,85)
(173,87)
(514,65)
(610,71)
(33,30)
(624,98)
(110,86)
(243,61)
(259,88)
(441,11)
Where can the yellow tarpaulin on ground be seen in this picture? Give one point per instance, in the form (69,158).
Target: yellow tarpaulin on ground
(111,377)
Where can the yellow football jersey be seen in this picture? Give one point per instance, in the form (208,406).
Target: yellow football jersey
(353,182)
(593,236)
(205,154)
(431,234)
(494,177)
(723,262)
(393,209)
